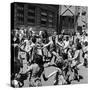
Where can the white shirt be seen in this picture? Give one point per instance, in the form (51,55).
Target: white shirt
(66,44)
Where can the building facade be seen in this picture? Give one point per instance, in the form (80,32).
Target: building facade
(72,18)
(37,16)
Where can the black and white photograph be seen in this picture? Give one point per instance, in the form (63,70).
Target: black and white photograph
(49,44)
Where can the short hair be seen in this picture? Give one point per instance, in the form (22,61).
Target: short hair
(86,34)
(18,28)
(78,46)
(67,38)
(86,43)
(34,39)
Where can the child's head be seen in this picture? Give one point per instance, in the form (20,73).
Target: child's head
(86,43)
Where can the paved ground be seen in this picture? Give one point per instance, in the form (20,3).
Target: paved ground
(83,71)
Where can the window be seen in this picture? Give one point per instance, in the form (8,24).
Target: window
(20,13)
(44,15)
(50,19)
(31,14)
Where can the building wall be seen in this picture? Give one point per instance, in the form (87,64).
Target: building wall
(67,17)
(83,17)
(38,16)
(78,14)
